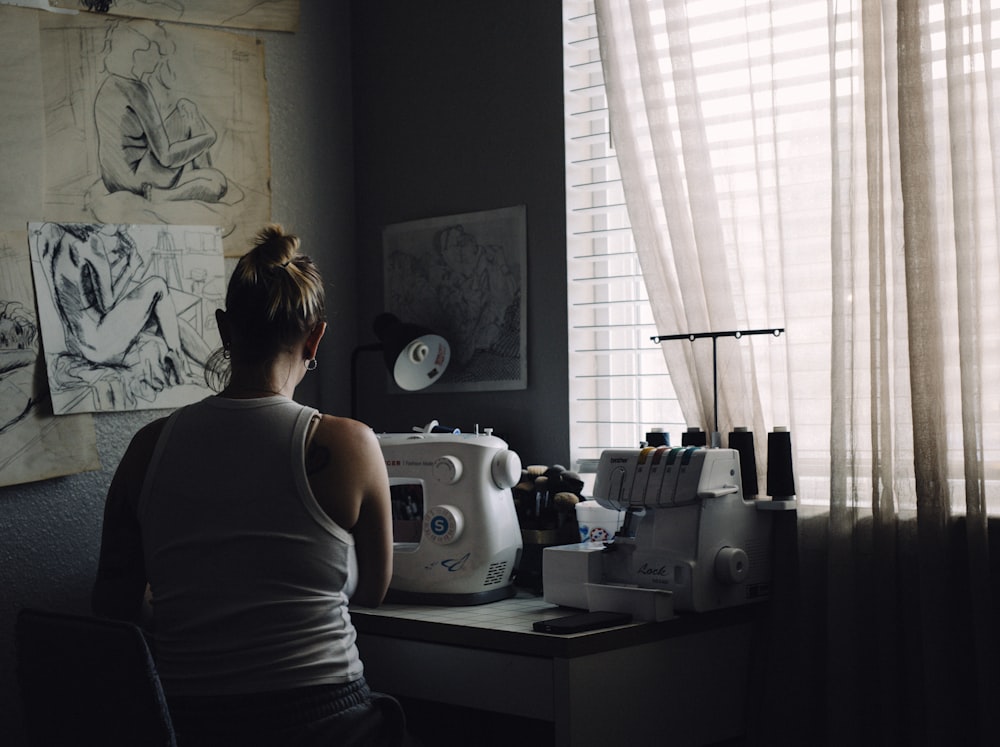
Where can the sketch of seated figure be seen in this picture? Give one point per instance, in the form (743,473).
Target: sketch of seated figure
(155,158)
(120,323)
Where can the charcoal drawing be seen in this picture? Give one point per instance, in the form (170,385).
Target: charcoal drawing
(34,444)
(18,350)
(148,122)
(271,15)
(161,156)
(123,312)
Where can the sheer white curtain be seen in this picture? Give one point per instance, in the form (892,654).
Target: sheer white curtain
(831,168)
(727,182)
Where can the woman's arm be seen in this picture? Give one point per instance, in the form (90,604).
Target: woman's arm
(121,572)
(349,479)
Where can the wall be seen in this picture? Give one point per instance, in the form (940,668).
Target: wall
(50,531)
(458,108)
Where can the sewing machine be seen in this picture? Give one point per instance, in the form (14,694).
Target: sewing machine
(456,539)
(689,541)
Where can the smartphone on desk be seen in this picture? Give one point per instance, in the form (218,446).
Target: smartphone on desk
(581,622)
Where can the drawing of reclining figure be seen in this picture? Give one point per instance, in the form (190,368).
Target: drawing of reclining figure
(112,316)
(18,351)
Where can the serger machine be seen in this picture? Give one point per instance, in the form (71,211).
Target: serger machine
(455,531)
(689,541)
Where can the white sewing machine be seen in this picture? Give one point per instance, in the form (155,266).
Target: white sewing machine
(455,530)
(689,542)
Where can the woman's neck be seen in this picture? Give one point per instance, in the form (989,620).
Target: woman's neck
(255,383)
(241,392)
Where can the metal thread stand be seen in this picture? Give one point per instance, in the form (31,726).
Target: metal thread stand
(715,371)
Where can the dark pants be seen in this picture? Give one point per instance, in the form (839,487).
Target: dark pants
(324,716)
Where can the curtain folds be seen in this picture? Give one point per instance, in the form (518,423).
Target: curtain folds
(832,167)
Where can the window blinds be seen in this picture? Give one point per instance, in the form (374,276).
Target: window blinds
(619,387)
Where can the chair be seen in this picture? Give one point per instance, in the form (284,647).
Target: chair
(87,680)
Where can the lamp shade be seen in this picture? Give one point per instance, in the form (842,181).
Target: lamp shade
(416,356)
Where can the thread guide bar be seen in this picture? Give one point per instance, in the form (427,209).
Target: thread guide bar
(714,336)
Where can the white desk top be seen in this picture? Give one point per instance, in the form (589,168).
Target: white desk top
(514,615)
(506,625)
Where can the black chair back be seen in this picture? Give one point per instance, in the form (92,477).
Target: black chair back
(87,680)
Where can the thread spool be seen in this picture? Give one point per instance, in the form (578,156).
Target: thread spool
(780,478)
(657,437)
(694,437)
(741,440)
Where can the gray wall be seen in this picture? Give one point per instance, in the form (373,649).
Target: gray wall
(457,107)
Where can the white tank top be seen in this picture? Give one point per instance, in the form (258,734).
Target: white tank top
(250,578)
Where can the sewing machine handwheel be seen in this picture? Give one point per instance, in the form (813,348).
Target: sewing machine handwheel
(731,565)
(506,469)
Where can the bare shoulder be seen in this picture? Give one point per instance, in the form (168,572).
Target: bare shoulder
(344,432)
(344,464)
(342,440)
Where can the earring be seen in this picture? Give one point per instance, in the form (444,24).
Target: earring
(225,353)
(311,364)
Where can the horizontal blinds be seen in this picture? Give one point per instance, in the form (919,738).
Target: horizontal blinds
(619,386)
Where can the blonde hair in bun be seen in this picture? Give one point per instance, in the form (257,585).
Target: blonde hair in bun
(274,299)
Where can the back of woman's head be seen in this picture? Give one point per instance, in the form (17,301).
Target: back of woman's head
(275,296)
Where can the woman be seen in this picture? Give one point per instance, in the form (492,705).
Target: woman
(253,520)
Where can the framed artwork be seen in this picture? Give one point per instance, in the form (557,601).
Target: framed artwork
(464,278)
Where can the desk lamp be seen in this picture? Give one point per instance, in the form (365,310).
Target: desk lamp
(415,355)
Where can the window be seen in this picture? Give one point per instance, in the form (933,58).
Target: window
(786,161)
(619,386)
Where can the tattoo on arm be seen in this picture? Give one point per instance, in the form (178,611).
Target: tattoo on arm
(317,458)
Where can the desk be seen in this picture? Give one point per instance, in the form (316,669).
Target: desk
(679,682)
